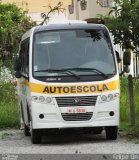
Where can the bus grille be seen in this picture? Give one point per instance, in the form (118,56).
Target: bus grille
(77,116)
(76,101)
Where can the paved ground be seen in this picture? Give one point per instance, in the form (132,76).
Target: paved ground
(14,142)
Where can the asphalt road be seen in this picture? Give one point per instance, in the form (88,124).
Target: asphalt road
(14,142)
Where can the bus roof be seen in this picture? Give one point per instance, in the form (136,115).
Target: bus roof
(68,26)
(64,26)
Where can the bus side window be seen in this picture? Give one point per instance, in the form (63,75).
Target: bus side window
(27,57)
(21,57)
(24,56)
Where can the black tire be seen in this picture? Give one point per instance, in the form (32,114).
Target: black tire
(26,130)
(111,132)
(36,136)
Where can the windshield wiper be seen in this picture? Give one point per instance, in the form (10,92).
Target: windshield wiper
(88,69)
(67,71)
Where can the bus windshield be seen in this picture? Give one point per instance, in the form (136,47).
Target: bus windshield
(73,53)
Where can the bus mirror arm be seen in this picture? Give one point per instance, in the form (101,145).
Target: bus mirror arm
(118,57)
(125,70)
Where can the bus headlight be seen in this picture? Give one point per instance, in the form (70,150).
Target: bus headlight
(109,97)
(41,99)
(103,98)
(48,100)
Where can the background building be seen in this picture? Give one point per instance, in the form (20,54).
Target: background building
(75,9)
(88,9)
(36,7)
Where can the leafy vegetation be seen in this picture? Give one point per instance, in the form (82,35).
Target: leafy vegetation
(13,23)
(123,23)
(8,106)
(125,108)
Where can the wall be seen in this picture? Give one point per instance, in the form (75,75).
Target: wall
(36,5)
(91,11)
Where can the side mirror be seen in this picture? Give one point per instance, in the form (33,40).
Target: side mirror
(17,65)
(18,74)
(127,58)
(126,61)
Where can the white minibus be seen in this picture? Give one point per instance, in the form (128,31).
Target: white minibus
(68,79)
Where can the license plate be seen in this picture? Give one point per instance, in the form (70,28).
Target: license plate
(76,110)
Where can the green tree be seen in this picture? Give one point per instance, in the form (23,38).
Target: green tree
(13,23)
(123,23)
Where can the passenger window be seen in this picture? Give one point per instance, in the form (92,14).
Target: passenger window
(24,56)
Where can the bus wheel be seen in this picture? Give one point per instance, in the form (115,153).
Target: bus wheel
(36,136)
(111,132)
(26,130)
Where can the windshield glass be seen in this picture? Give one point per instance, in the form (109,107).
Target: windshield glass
(73,50)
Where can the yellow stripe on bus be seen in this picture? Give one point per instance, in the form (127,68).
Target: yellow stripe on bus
(74,89)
